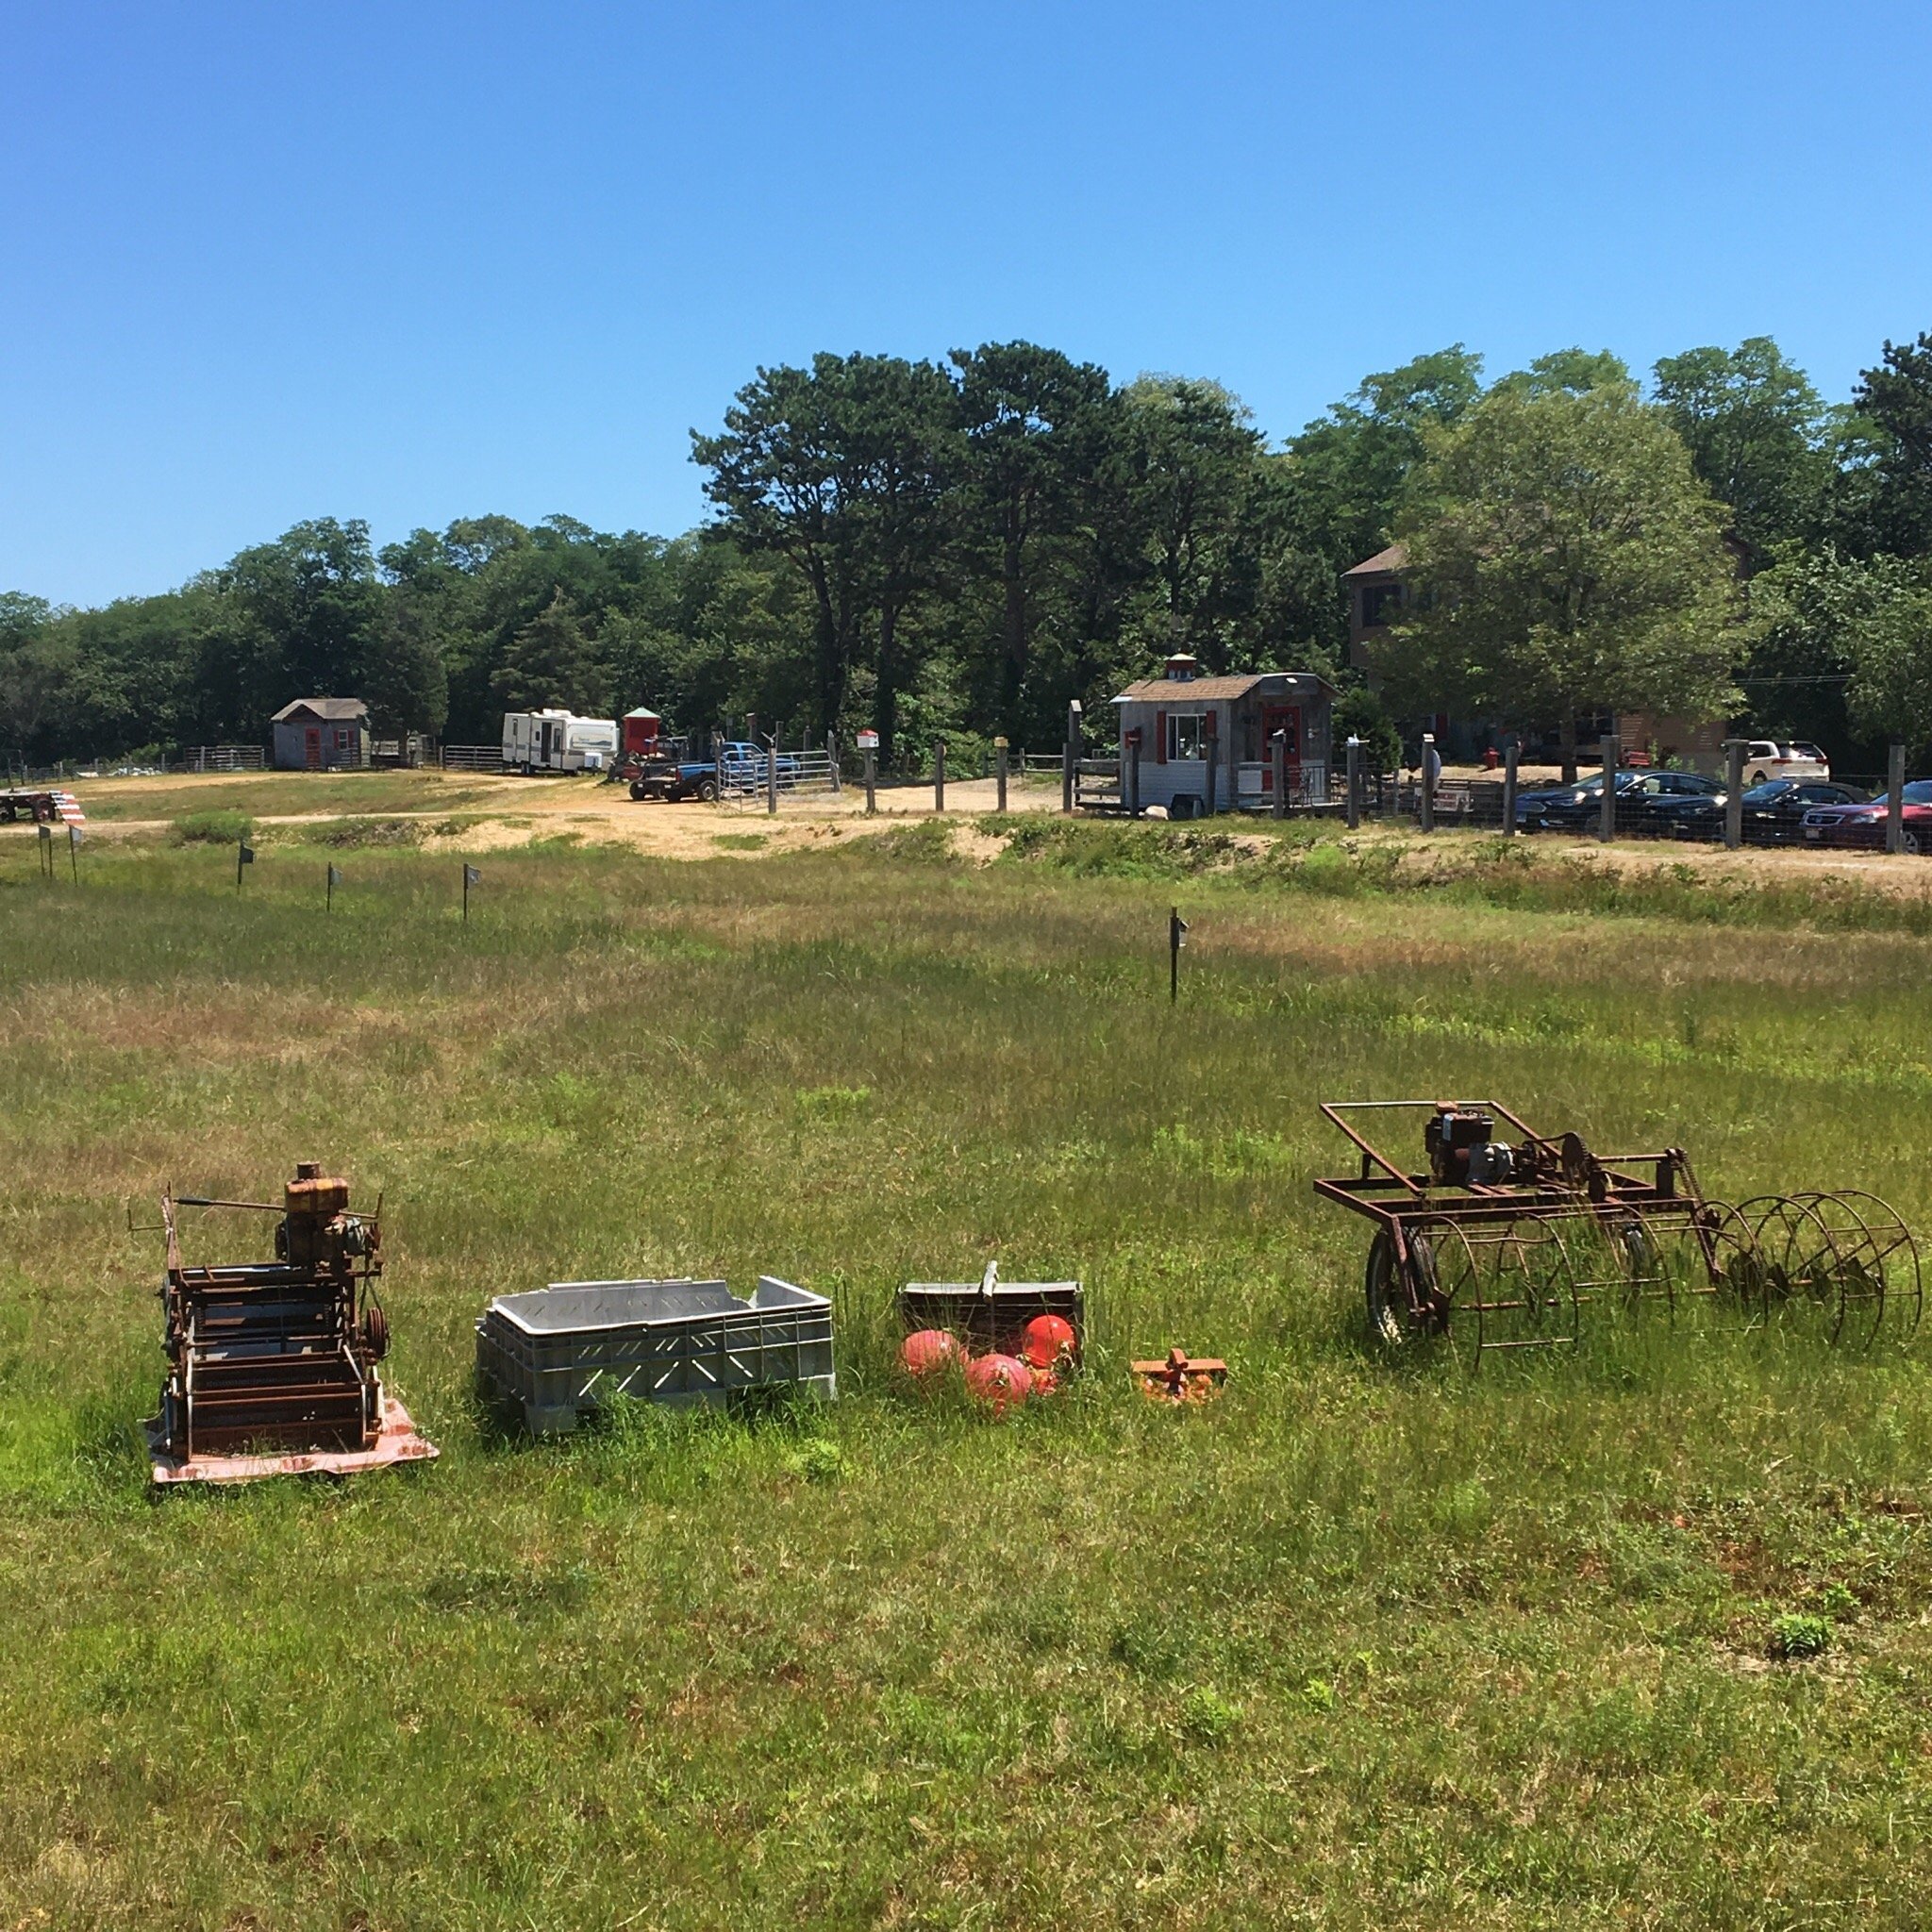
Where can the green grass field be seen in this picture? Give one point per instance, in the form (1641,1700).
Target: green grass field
(1360,1646)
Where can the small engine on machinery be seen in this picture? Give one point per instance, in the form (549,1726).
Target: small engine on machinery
(273,1365)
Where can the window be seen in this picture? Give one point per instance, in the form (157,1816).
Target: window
(1184,735)
(344,737)
(1380,601)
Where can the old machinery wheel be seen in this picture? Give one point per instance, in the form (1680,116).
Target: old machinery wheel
(1402,1301)
(375,1326)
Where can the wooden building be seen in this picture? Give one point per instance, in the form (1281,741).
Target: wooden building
(321,735)
(1206,743)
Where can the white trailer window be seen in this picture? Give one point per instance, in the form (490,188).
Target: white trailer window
(1185,737)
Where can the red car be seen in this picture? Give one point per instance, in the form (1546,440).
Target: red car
(1864,824)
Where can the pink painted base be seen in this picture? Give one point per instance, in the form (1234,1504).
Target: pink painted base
(397,1442)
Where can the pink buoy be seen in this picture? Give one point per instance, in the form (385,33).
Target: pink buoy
(931,1352)
(999,1381)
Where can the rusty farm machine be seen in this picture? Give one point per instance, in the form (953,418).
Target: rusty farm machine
(272,1364)
(1502,1244)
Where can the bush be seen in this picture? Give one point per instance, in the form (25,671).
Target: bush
(213,829)
(1358,713)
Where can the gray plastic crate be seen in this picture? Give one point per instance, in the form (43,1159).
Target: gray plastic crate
(563,1349)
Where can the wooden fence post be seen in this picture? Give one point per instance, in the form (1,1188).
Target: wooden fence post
(1895,800)
(1352,809)
(1279,746)
(939,774)
(1611,752)
(1510,760)
(872,761)
(999,753)
(1070,756)
(1428,799)
(1734,793)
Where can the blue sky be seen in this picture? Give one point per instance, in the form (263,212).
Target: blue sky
(425,260)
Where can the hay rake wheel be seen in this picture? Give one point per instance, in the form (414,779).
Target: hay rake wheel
(1508,1286)
(1846,1254)
(1734,1268)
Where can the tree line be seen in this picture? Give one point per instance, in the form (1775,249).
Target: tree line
(959,547)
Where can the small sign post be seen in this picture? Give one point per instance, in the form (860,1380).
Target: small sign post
(244,855)
(869,745)
(1176,939)
(74,835)
(999,756)
(471,877)
(939,774)
(335,879)
(47,853)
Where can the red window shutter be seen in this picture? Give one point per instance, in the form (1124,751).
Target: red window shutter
(1161,738)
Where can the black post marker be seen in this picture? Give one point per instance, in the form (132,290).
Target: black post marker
(1176,939)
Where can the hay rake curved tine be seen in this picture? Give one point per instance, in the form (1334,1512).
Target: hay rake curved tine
(1500,1245)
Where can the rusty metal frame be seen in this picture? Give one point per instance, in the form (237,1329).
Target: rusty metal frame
(1511,1258)
(315,1327)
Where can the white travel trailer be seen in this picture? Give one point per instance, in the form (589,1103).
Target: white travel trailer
(558,742)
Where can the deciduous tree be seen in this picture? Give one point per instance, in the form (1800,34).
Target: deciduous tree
(1564,560)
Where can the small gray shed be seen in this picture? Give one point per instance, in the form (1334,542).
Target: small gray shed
(1182,724)
(321,735)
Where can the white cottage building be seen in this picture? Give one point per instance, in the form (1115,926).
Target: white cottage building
(1207,744)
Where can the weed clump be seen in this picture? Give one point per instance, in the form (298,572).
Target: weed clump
(1799,1634)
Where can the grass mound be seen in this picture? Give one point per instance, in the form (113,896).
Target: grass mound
(216,827)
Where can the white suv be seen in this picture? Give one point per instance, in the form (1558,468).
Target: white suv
(1764,760)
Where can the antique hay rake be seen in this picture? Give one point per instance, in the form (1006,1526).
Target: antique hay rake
(1501,1244)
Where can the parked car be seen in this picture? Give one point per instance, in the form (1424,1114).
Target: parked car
(1533,806)
(1644,801)
(1766,757)
(1864,824)
(1773,812)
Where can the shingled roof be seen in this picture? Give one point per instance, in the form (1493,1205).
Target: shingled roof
(1188,690)
(1384,563)
(329,710)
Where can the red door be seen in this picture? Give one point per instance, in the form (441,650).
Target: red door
(1285,717)
(311,748)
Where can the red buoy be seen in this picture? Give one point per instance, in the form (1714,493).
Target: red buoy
(931,1352)
(999,1381)
(1047,1338)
